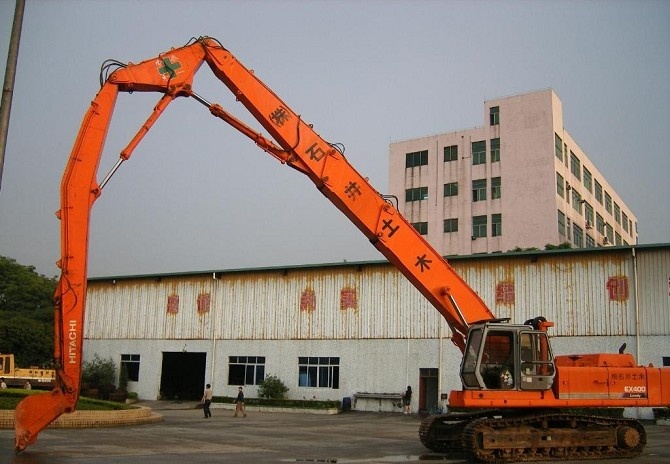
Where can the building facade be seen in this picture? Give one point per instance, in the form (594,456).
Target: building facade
(519,181)
(331,332)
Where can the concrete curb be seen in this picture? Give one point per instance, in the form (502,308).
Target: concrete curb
(231,407)
(91,419)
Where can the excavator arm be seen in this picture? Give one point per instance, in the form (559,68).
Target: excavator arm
(295,144)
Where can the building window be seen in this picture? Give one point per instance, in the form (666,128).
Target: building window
(588,180)
(131,362)
(600,224)
(588,215)
(479,226)
(321,372)
(617,239)
(599,192)
(479,190)
(494,115)
(495,188)
(479,152)
(617,213)
(560,185)
(575,166)
(577,236)
(421,227)
(576,201)
(416,158)
(450,225)
(416,194)
(558,147)
(608,203)
(624,221)
(609,233)
(451,189)
(495,150)
(246,370)
(496,225)
(561,223)
(590,241)
(451,153)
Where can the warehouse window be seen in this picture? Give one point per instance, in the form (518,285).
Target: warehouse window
(132,364)
(479,152)
(495,150)
(417,158)
(416,194)
(246,370)
(451,189)
(451,153)
(321,372)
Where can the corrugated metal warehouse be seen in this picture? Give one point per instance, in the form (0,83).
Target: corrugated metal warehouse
(334,330)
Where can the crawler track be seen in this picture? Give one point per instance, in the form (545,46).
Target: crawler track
(537,437)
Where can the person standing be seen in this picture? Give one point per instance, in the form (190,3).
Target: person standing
(207,401)
(239,403)
(3,385)
(407,400)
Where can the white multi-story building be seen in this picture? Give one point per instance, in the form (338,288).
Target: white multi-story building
(518,181)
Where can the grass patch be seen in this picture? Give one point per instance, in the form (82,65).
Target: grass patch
(9,398)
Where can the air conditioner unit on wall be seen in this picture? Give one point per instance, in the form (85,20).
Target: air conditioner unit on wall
(589,225)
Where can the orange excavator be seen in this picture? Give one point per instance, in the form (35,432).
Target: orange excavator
(517,402)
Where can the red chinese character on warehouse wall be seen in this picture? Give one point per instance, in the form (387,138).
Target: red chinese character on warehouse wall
(308,300)
(173,304)
(617,288)
(505,292)
(348,299)
(204,300)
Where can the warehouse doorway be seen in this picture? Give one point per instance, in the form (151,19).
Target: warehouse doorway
(428,388)
(182,376)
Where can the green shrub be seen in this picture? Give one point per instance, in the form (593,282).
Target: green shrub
(272,387)
(99,374)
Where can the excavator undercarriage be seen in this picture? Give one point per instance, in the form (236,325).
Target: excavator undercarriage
(502,437)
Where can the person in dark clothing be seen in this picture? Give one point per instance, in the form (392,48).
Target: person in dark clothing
(239,403)
(207,401)
(407,400)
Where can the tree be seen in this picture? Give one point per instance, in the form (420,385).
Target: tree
(26,313)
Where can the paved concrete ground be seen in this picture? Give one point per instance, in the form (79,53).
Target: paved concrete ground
(186,437)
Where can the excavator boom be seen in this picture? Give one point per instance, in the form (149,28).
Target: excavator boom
(295,143)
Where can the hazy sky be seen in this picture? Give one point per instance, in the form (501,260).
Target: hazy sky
(197,195)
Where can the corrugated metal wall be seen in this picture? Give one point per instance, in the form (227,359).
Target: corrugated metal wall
(584,293)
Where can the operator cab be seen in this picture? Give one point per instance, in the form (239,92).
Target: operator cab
(507,357)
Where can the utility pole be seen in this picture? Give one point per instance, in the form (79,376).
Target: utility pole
(10,74)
